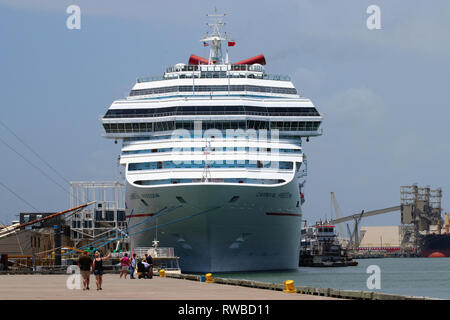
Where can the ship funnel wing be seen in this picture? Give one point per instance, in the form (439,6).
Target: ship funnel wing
(256,59)
(196,60)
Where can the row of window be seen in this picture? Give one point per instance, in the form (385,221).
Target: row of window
(211,164)
(228,180)
(219,125)
(199,88)
(234,67)
(324,229)
(211,110)
(215,75)
(227,149)
(107,215)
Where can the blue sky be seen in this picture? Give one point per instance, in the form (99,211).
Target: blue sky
(383,93)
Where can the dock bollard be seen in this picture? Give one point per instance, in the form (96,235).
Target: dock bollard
(289,286)
(209,278)
(162,273)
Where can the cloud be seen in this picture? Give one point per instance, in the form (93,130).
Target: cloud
(338,31)
(424,35)
(309,81)
(355,107)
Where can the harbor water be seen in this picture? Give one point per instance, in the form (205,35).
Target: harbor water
(428,277)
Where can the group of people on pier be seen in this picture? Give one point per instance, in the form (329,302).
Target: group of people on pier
(140,268)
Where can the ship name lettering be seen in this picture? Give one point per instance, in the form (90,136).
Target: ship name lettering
(265,195)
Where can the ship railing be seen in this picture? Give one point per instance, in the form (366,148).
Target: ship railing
(159,252)
(288,134)
(231,75)
(149,79)
(214,168)
(211,113)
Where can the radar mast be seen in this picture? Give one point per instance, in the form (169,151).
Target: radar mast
(215,38)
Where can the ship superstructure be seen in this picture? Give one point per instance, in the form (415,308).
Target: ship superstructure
(214,161)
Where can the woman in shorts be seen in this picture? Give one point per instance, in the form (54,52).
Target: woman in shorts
(125,262)
(97,266)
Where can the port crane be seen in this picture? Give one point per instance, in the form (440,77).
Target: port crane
(337,211)
(354,236)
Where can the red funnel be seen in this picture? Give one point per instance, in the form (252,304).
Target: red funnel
(256,59)
(196,60)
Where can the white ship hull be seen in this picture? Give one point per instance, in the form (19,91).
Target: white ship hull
(260,230)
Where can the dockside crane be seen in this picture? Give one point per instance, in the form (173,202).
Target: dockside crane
(349,243)
(338,215)
(354,237)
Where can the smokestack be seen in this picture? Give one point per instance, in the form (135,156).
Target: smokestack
(196,60)
(256,59)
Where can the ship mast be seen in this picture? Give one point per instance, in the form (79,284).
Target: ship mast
(215,39)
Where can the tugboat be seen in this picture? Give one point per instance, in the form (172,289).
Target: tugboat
(319,247)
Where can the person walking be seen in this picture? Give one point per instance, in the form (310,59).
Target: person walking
(84,263)
(133,265)
(97,266)
(125,261)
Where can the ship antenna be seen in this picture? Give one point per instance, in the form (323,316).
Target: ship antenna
(215,38)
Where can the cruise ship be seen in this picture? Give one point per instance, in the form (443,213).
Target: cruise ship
(214,161)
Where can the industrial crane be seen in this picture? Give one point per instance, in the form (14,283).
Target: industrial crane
(336,210)
(354,236)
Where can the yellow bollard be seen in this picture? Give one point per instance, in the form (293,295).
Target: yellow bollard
(162,273)
(209,278)
(289,286)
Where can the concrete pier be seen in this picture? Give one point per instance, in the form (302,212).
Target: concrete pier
(53,287)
